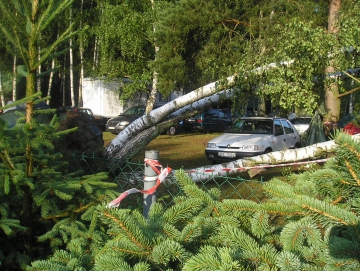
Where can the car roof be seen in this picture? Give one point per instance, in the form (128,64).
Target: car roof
(71,108)
(262,117)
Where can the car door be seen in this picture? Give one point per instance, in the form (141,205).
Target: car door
(213,121)
(279,141)
(221,122)
(291,135)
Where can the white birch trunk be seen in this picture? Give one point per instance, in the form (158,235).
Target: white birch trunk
(80,100)
(1,91)
(50,79)
(96,54)
(38,80)
(14,79)
(152,97)
(63,83)
(71,61)
(274,158)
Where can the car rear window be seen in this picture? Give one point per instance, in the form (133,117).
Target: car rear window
(301,121)
(252,127)
(134,111)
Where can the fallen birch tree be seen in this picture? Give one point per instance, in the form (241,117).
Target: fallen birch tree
(312,152)
(142,131)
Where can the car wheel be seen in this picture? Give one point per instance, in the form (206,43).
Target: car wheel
(171,130)
(267,151)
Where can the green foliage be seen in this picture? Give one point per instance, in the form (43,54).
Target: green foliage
(309,222)
(31,203)
(126,44)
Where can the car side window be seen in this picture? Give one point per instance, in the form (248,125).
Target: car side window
(86,112)
(222,115)
(287,127)
(214,115)
(278,128)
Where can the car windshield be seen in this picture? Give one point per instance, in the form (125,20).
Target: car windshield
(251,126)
(134,111)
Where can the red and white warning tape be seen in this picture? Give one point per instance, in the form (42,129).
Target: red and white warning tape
(210,170)
(162,174)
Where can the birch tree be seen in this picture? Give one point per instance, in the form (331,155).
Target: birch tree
(71,63)
(81,55)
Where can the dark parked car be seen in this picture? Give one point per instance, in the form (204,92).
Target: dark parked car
(251,136)
(117,124)
(101,121)
(212,120)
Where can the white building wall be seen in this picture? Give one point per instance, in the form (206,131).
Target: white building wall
(102,97)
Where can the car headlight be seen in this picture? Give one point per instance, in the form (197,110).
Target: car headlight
(123,123)
(211,145)
(250,147)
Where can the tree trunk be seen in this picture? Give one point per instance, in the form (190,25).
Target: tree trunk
(80,98)
(14,79)
(38,80)
(96,53)
(71,61)
(1,91)
(50,79)
(152,97)
(319,150)
(332,101)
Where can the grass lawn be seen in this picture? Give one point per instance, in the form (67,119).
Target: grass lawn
(185,150)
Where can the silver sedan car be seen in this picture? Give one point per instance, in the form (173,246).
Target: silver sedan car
(251,136)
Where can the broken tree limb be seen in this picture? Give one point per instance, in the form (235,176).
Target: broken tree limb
(285,157)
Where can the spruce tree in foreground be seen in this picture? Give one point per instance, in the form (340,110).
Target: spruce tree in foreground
(31,203)
(309,222)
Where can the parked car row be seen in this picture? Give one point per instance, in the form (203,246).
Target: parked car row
(211,120)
